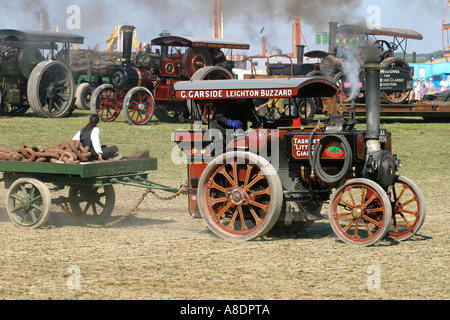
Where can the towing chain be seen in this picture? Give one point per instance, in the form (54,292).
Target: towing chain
(65,208)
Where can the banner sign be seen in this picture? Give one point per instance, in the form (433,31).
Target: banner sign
(235,94)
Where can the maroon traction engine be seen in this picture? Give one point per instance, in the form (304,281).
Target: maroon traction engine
(279,175)
(138,83)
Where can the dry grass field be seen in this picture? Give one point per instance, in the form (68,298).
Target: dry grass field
(161,253)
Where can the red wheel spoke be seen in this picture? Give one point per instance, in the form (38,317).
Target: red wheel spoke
(413,213)
(349,225)
(247,175)
(258,178)
(218,200)
(356,229)
(262,192)
(376,223)
(216,186)
(363,195)
(255,216)
(233,220)
(227,176)
(347,204)
(406,221)
(235,175)
(408,202)
(259,205)
(241,215)
(368,202)
(224,210)
(353,200)
(341,215)
(369,232)
(375,210)
(401,193)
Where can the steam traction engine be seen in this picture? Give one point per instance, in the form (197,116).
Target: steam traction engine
(279,175)
(136,85)
(31,76)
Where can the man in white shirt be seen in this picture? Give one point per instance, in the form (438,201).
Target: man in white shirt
(444,84)
(89,136)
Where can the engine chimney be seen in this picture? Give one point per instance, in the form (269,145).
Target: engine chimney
(127,32)
(380,164)
(372,70)
(300,53)
(332,38)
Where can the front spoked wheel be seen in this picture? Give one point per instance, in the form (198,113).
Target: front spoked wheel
(360,212)
(408,209)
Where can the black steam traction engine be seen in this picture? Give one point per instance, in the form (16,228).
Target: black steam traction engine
(280,174)
(34,73)
(136,85)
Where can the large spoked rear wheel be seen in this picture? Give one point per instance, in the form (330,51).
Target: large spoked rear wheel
(28,203)
(360,212)
(106,102)
(198,112)
(240,196)
(50,90)
(408,209)
(138,106)
(92,205)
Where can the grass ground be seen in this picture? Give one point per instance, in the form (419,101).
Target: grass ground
(160,252)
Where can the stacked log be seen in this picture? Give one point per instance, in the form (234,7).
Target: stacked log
(102,63)
(72,152)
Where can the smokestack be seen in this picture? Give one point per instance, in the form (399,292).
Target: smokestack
(373,115)
(128,32)
(300,53)
(332,38)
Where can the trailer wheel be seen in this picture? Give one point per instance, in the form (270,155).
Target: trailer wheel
(50,90)
(28,203)
(408,209)
(240,196)
(83,96)
(138,106)
(92,205)
(360,212)
(106,102)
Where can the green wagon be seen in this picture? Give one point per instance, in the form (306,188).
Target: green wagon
(91,196)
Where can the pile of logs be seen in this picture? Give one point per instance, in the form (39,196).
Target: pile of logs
(72,152)
(102,64)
